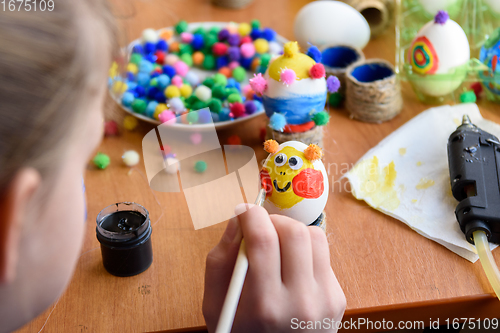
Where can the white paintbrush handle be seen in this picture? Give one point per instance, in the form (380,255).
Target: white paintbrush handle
(233,292)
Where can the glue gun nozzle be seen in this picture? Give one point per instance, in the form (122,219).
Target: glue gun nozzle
(466,120)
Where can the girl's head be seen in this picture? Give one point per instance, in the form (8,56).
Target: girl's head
(53,72)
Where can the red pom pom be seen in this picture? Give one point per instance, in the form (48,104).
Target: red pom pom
(478,89)
(110,128)
(160,57)
(237,109)
(317,71)
(219,49)
(234,140)
(246,39)
(158,70)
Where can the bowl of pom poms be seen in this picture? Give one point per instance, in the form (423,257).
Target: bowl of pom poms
(170,72)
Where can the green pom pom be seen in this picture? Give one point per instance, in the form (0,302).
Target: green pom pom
(239,74)
(468,97)
(210,40)
(209,82)
(185,48)
(200,166)
(186,57)
(209,62)
(101,160)
(233,90)
(190,101)
(220,79)
(200,31)
(233,98)
(192,117)
(219,91)
(214,30)
(215,105)
(255,24)
(136,58)
(181,27)
(321,118)
(153,82)
(335,99)
(139,105)
(264,60)
(198,105)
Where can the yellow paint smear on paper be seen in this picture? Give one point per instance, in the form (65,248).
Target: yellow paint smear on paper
(424,183)
(457,121)
(419,163)
(402,151)
(414,200)
(377,184)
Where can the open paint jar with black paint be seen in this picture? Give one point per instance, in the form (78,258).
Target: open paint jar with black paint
(124,231)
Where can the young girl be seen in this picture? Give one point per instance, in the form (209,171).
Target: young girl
(53,74)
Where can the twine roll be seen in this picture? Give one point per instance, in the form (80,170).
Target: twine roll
(376,13)
(233,4)
(339,67)
(375,101)
(314,135)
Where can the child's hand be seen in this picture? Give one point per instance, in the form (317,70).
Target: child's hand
(289,276)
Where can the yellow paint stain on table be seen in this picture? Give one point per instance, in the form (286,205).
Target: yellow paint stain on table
(402,151)
(419,163)
(377,183)
(424,183)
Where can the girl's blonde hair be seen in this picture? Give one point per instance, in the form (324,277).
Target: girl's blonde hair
(46,74)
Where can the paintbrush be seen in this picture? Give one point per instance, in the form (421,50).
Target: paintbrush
(237,280)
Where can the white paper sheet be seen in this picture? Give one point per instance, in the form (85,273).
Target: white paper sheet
(406,175)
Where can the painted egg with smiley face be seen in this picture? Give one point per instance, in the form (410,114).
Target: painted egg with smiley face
(295,180)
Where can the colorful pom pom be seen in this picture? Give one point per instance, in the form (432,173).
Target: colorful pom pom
(177,81)
(131,158)
(247,50)
(130,123)
(268,34)
(219,49)
(150,109)
(176,105)
(181,27)
(192,78)
(468,97)
(172,91)
(234,53)
(321,118)
(139,105)
(332,84)
(220,79)
(313,152)
(167,116)
(317,71)
(441,17)
(200,166)
(198,42)
(162,45)
(215,105)
(181,68)
(277,122)
(239,74)
(169,70)
(186,37)
(233,40)
(288,76)
(244,29)
(237,109)
(186,90)
(250,107)
(110,128)
(162,81)
(209,62)
(171,59)
(271,146)
(198,58)
(127,98)
(261,45)
(101,161)
(234,140)
(203,93)
(150,35)
(258,84)
(225,71)
(223,35)
(314,53)
(234,97)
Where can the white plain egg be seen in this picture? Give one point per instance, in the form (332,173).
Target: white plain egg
(433,6)
(331,22)
(494,5)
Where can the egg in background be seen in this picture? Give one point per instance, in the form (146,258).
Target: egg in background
(305,207)
(437,49)
(433,6)
(331,22)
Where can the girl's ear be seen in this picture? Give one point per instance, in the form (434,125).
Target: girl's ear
(14,203)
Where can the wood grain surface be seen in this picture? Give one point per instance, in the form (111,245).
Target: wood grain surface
(386,269)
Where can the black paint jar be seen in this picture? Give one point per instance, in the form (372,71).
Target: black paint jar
(124,231)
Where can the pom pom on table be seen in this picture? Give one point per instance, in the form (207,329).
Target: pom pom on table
(237,109)
(314,53)
(271,146)
(468,97)
(332,84)
(317,71)
(200,166)
(441,17)
(321,118)
(186,37)
(181,68)
(239,74)
(247,50)
(288,76)
(131,158)
(258,84)
(313,152)
(277,122)
(110,128)
(101,161)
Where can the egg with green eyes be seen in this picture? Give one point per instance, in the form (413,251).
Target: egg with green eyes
(295,181)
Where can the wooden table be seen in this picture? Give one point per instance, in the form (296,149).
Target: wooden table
(407,277)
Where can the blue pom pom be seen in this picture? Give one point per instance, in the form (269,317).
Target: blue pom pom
(143,79)
(140,91)
(130,76)
(169,70)
(131,85)
(258,105)
(149,47)
(138,49)
(133,92)
(314,53)
(277,122)
(192,78)
(215,117)
(255,33)
(152,92)
(151,58)
(221,62)
(163,81)
(162,45)
(246,62)
(160,97)
(150,109)
(197,42)
(257,98)
(224,114)
(232,83)
(268,34)
(204,116)
(145,67)
(155,74)
(127,98)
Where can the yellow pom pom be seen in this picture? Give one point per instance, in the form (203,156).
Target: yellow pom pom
(130,123)
(290,49)
(271,146)
(113,71)
(313,152)
(244,29)
(159,109)
(132,68)
(119,87)
(186,90)
(172,91)
(261,45)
